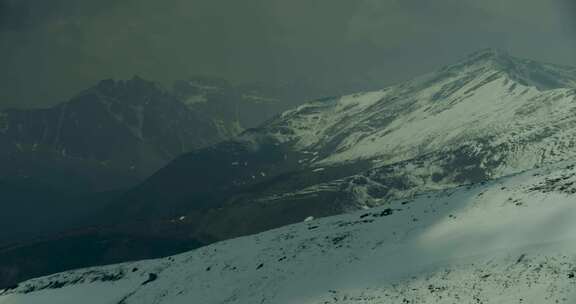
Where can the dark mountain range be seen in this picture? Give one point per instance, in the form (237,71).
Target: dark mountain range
(109,136)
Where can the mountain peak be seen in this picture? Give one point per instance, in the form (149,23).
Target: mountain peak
(490,53)
(543,76)
(490,57)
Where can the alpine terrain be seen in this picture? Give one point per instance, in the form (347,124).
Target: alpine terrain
(66,162)
(459,165)
(510,240)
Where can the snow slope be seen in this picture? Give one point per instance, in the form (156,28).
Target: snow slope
(487,116)
(511,240)
(490,100)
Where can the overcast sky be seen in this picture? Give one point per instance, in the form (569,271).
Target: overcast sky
(52,49)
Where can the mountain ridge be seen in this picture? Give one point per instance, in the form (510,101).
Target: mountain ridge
(115,125)
(436,132)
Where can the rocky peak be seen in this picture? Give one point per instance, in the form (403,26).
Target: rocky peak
(543,76)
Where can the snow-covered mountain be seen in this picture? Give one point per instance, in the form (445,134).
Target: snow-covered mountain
(518,109)
(488,116)
(510,240)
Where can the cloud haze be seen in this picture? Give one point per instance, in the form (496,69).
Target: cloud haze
(51,49)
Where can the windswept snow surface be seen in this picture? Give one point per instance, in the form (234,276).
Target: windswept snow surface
(488,116)
(510,240)
(489,100)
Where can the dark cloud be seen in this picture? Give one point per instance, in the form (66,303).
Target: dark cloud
(50,49)
(26,14)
